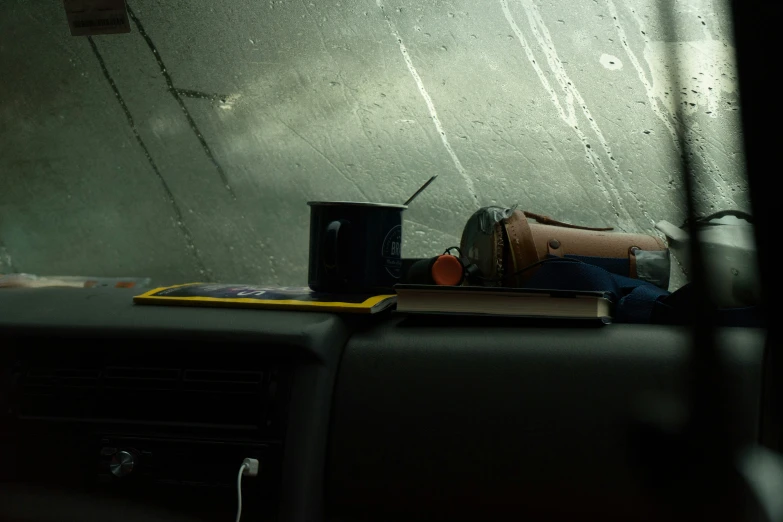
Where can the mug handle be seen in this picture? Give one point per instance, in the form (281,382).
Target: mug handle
(332,245)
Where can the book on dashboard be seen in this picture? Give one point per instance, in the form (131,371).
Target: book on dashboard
(268,297)
(504,302)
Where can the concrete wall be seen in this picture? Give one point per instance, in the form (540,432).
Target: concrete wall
(187,149)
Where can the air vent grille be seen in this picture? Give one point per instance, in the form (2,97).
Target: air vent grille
(168,394)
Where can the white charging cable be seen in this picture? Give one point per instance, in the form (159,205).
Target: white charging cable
(249,467)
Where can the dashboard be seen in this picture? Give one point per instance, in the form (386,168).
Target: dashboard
(115,411)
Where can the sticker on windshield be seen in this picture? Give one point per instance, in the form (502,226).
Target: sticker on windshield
(92,17)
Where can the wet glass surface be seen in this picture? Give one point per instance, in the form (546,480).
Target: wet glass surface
(187,149)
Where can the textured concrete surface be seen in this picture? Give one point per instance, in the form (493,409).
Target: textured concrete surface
(187,149)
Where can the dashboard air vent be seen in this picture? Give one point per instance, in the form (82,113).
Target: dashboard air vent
(198,395)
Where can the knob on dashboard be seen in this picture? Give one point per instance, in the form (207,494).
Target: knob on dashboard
(122,463)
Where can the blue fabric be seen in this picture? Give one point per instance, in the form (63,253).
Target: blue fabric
(639,304)
(615,265)
(677,309)
(634,299)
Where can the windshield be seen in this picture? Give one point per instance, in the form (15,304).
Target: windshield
(187,149)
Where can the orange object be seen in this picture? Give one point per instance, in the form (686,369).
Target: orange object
(447,271)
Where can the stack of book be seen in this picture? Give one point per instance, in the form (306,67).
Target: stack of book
(503,302)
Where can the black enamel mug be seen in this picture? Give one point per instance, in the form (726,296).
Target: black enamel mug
(354,247)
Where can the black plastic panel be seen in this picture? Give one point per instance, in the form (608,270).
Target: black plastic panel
(229,379)
(65,314)
(426,423)
(466,423)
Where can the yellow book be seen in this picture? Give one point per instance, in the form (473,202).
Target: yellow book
(279,298)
